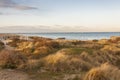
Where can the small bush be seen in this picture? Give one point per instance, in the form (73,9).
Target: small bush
(104,72)
(96,74)
(66,63)
(11,59)
(1,45)
(33,65)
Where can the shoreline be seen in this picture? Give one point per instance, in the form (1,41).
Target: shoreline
(76,35)
(15,35)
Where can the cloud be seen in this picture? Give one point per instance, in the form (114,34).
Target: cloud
(41,28)
(24,7)
(25,29)
(70,28)
(12,4)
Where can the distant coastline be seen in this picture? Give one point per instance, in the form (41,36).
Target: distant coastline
(62,32)
(74,35)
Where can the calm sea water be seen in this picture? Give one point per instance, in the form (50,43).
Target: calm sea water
(76,35)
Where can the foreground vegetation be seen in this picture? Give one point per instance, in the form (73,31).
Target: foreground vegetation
(59,59)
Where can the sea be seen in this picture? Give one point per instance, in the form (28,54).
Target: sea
(75,35)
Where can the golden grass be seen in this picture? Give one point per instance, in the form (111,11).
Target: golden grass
(104,72)
(12,59)
(61,61)
(54,58)
(73,57)
(110,48)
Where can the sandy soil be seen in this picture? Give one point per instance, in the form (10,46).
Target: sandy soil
(13,75)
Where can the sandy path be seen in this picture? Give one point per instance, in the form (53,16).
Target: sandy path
(13,75)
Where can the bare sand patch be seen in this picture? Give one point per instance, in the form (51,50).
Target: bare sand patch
(13,75)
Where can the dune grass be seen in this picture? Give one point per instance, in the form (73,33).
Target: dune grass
(78,51)
(49,59)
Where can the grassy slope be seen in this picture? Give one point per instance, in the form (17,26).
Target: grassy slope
(67,59)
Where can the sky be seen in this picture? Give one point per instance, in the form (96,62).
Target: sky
(59,16)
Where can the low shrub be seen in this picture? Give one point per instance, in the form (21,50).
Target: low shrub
(104,72)
(12,59)
(33,65)
(1,45)
(66,63)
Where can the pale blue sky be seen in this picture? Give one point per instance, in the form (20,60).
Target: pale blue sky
(60,15)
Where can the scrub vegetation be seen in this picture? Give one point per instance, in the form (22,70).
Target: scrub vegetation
(60,59)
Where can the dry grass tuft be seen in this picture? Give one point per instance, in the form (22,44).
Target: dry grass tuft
(104,72)
(11,59)
(65,62)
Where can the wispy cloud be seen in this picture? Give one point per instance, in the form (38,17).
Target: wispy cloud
(12,4)
(42,28)
(25,29)
(70,28)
